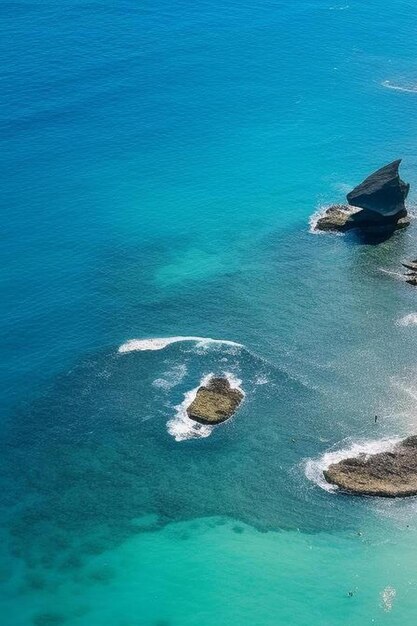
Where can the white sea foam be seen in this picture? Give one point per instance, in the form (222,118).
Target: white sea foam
(314,468)
(407,88)
(314,218)
(412,210)
(388,597)
(159,343)
(181,427)
(407,320)
(172,377)
(234,382)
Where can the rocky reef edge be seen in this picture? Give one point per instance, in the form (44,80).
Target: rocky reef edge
(390,474)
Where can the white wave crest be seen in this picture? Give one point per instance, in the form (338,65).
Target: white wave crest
(407,88)
(234,382)
(159,343)
(181,427)
(407,320)
(314,468)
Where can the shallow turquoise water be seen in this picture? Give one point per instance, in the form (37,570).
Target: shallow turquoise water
(160,166)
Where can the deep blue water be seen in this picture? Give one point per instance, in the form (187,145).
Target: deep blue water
(159,166)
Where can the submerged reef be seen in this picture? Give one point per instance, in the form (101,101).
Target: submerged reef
(390,474)
(214,402)
(376,207)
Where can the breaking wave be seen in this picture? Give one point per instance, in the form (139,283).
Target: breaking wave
(407,320)
(314,468)
(181,427)
(314,218)
(159,343)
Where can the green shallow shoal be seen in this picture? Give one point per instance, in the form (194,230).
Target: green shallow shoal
(218,571)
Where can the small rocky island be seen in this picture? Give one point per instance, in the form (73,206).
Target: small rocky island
(214,402)
(390,474)
(375,207)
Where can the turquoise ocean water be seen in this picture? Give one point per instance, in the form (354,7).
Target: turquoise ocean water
(160,164)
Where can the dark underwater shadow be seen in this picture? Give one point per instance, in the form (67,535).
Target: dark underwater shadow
(84,463)
(362,237)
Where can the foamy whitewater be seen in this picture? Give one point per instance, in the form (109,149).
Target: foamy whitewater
(314,468)
(388,597)
(407,320)
(314,218)
(159,343)
(181,427)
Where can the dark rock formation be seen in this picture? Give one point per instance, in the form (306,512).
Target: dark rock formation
(411,279)
(389,474)
(341,218)
(215,402)
(411,275)
(383,192)
(376,206)
(410,265)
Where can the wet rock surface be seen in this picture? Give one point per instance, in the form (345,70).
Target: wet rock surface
(389,474)
(336,218)
(214,402)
